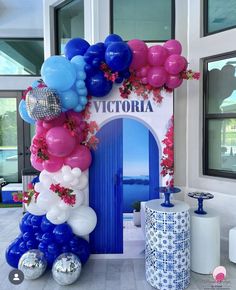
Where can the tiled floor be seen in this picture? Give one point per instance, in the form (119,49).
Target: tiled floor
(100,274)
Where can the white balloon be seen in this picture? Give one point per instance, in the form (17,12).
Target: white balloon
(68,178)
(83,182)
(82,220)
(46,180)
(63,205)
(39,187)
(66,169)
(57,216)
(34,209)
(58,178)
(79,198)
(76,171)
(47,199)
(75,182)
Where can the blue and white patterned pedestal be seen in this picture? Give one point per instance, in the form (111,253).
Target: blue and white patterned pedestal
(167,250)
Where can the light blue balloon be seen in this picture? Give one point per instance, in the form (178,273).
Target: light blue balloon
(58,73)
(83,101)
(69,99)
(81,75)
(78,60)
(78,108)
(24,114)
(80,84)
(82,92)
(35,84)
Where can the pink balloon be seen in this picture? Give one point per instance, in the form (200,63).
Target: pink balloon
(175,64)
(40,130)
(60,142)
(173,81)
(144,80)
(53,164)
(81,157)
(157,76)
(157,55)
(77,117)
(144,71)
(173,46)
(59,121)
(37,165)
(139,50)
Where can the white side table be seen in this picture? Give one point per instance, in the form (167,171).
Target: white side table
(232,245)
(167,250)
(205,241)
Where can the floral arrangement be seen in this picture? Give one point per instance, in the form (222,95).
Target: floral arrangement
(108,74)
(167,161)
(66,194)
(26,196)
(39,148)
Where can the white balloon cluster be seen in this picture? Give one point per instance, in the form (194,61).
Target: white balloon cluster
(81,218)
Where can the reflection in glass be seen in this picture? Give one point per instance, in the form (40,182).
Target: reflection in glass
(21,56)
(70,23)
(8,140)
(221,94)
(221,15)
(222,144)
(146,20)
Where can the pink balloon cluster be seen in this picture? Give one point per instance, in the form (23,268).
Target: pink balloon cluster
(58,142)
(158,65)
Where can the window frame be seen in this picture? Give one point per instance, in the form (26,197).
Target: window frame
(56,30)
(205,21)
(212,116)
(22,38)
(173,18)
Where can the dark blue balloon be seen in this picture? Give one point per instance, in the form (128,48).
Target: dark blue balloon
(28,236)
(23,248)
(43,247)
(47,238)
(65,249)
(32,244)
(62,233)
(125,73)
(82,250)
(50,259)
(25,226)
(119,80)
(36,220)
(76,46)
(98,85)
(118,56)
(53,248)
(111,39)
(13,253)
(35,180)
(90,70)
(46,225)
(96,51)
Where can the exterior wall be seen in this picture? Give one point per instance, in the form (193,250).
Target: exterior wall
(199,48)
(20,19)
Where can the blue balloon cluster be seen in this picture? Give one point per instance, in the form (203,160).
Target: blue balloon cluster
(37,232)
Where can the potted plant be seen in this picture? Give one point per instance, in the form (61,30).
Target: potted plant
(136,213)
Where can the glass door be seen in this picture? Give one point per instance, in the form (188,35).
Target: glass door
(14,138)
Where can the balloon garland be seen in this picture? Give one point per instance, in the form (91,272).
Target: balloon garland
(59,107)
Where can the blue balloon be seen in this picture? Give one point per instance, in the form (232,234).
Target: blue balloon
(69,99)
(79,108)
(58,73)
(96,51)
(80,248)
(46,225)
(23,248)
(81,75)
(111,39)
(65,249)
(47,238)
(79,62)
(13,253)
(118,56)
(82,92)
(36,220)
(28,236)
(90,70)
(32,244)
(62,233)
(35,84)
(35,180)
(24,114)
(25,226)
(76,46)
(119,80)
(83,101)
(80,84)
(43,247)
(53,248)
(98,85)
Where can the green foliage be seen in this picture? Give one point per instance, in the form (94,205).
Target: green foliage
(136,205)
(8,129)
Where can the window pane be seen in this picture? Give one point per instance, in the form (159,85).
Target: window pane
(8,140)
(146,20)
(221,15)
(21,56)
(222,144)
(70,23)
(221,94)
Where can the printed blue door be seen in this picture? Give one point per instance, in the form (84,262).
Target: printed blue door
(105,190)
(153,168)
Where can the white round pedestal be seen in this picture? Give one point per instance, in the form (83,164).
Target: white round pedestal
(167,245)
(205,241)
(232,245)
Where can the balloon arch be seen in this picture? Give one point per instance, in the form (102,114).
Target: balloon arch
(59,106)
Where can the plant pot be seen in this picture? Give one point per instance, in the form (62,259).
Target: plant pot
(137,218)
